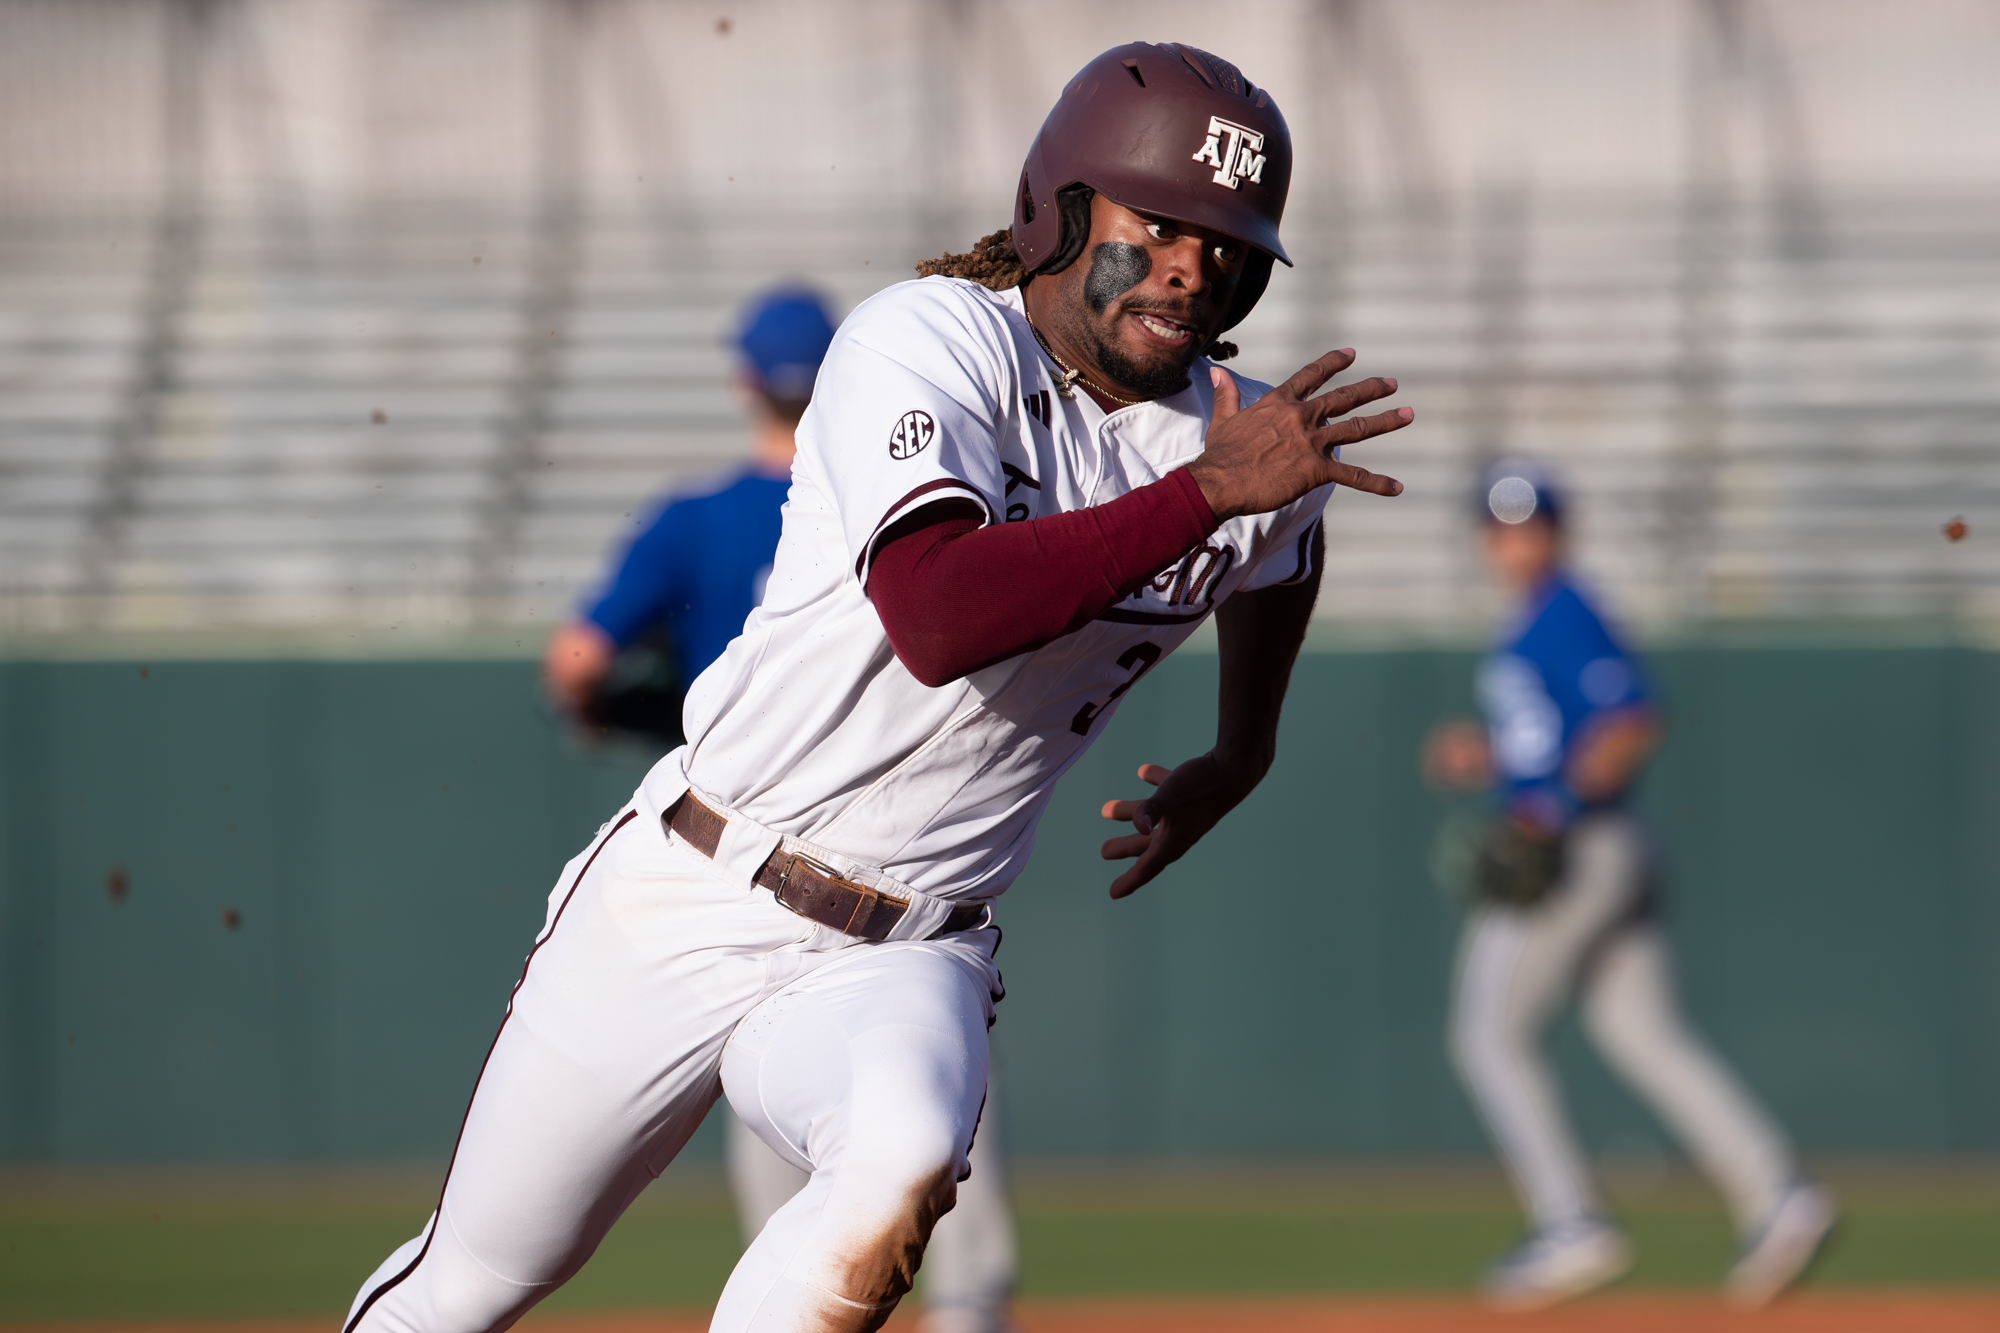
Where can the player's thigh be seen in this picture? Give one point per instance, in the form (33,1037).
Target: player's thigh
(1603,882)
(1486,984)
(760,1181)
(1629,995)
(607,1060)
(1518,965)
(877,1058)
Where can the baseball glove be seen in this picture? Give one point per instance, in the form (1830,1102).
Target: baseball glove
(639,699)
(1516,866)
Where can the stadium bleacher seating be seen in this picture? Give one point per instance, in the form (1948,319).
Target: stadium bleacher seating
(429,419)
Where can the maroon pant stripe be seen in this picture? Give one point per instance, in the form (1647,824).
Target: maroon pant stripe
(378,1293)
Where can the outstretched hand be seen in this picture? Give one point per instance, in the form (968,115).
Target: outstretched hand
(1265,456)
(1189,802)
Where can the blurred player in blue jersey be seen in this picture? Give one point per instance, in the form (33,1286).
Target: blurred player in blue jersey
(691,579)
(693,575)
(1564,906)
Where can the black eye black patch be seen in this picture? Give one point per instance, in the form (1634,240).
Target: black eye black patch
(1115,268)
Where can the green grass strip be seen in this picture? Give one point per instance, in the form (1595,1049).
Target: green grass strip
(222,1260)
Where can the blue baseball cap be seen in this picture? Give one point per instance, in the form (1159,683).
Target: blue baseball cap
(784,336)
(1514,490)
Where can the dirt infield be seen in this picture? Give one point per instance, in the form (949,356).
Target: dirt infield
(1859,1313)
(1972,1311)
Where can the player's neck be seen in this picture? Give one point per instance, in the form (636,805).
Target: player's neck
(1527,584)
(1049,326)
(773,446)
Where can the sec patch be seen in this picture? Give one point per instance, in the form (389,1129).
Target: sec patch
(912,431)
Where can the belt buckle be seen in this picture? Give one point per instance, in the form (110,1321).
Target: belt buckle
(867,901)
(811,863)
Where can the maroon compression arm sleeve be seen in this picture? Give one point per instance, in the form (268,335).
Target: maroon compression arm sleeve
(955,596)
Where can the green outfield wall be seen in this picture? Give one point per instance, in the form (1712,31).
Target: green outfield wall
(385,833)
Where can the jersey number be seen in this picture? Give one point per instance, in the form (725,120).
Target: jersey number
(1140,656)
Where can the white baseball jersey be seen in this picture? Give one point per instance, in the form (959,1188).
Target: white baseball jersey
(808,723)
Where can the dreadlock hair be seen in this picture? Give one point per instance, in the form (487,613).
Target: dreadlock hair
(993,263)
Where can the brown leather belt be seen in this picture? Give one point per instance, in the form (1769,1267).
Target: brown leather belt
(812,890)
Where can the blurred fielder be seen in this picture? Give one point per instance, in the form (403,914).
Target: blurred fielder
(1565,905)
(694,576)
(1021,482)
(691,578)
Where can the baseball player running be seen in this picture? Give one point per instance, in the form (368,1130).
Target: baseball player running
(1565,903)
(697,571)
(699,566)
(1012,497)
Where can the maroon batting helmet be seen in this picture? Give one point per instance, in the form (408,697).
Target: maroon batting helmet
(1166,130)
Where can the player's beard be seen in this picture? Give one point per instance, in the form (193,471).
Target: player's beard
(1116,268)
(1147,379)
(1089,315)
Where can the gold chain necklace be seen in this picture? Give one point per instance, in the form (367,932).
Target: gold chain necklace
(1065,385)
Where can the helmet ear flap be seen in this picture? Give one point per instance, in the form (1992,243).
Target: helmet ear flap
(1073,204)
(1036,229)
(1249,288)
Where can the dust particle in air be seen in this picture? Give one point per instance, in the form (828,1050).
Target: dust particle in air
(1955,530)
(117,884)
(379,417)
(722,27)
(231,918)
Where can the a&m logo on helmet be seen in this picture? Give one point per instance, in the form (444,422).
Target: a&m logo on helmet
(1234,151)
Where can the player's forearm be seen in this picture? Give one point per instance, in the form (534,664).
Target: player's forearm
(1259,637)
(1612,752)
(956,597)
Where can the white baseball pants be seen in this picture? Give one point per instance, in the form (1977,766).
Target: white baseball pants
(969,1267)
(656,985)
(1518,966)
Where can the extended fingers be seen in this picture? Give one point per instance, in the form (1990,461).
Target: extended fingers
(1125,848)
(1306,382)
(1328,438)
(1361,479)
(1140,814)
(1355,429)
(1339,402)
(1152,859)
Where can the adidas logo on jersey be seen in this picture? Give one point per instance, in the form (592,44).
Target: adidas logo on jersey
(1038,406)
(1234,151)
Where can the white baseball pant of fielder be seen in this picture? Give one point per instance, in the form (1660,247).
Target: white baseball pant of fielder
(970,1264)
(1590,938)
